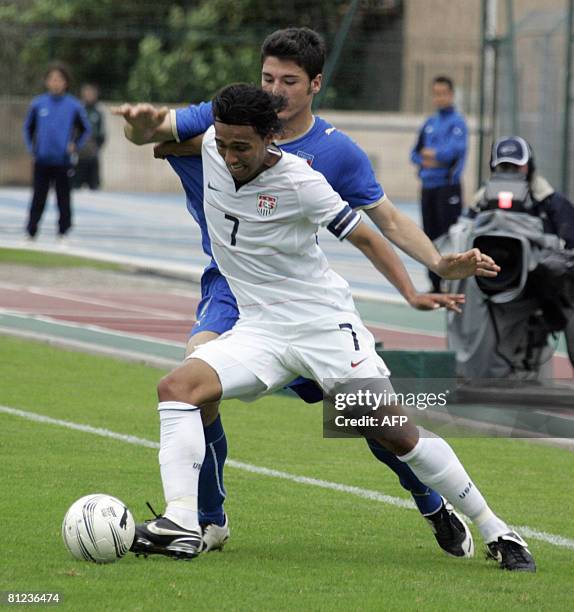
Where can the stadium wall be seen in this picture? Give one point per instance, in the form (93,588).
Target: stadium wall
(386,137)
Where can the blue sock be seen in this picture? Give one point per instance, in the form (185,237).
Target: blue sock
(426,499)
(211,493)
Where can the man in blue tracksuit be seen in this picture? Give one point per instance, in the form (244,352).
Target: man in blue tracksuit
(55,128)
(439,153)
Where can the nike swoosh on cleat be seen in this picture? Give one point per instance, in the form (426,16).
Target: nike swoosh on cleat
(355,364)
(514,537)
(167,532)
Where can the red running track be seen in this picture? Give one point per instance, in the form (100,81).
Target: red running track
(168,316)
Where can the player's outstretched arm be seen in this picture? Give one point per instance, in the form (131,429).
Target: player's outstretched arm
(404,233)
(410,238)
(145,123)
(384,258)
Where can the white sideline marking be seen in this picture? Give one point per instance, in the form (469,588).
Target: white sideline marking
(528,532)
(86,299)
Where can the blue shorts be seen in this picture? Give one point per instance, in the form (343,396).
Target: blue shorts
(217,312)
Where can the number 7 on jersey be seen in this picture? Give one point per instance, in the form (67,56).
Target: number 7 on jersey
(235,228)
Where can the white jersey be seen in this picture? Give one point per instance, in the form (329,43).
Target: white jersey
(264,239)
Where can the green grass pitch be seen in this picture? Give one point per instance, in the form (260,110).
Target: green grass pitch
(293,546)
(42,259)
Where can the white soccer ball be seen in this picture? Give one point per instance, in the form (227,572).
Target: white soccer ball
(98,528)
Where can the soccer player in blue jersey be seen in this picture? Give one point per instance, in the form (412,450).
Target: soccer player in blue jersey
(292,61)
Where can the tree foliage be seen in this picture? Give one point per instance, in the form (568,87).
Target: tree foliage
(182,50)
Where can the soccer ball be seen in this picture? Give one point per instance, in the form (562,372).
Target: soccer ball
(98,528)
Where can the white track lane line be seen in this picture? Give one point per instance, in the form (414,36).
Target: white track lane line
(95,328)
(534,534)
(96,302)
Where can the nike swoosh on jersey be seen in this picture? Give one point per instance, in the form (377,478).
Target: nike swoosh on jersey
(210,186)
(166,532)
(355,364)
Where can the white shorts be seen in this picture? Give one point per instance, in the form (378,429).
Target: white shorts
(251,362)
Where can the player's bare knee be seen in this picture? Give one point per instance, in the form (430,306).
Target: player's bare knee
(194,382)
(181,385)
(398,444)
(172,389)
(395,430)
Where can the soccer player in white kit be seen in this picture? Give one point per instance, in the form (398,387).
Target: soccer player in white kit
(297,317)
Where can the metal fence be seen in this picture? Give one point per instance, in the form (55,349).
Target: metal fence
(382,57)
(531,75)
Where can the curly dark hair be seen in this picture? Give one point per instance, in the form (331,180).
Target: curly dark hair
(244,104)
(303,46)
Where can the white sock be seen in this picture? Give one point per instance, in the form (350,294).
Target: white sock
(182,450)
(435,463)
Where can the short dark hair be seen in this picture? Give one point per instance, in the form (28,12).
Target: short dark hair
(243,104)
(302,45)
(60,67)
(444,80)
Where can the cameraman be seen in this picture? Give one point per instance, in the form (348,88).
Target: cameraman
(518,218)
(513,172)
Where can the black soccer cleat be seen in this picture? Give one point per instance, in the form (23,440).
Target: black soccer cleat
(450,531)
(160,536)
(512,553)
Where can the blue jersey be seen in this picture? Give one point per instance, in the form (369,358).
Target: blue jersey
(446,133)
(343,163)
(52,123)
(190,173)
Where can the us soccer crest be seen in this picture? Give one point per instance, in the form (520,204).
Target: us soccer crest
(266,204)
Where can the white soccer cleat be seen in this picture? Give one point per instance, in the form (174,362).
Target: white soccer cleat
(215,536)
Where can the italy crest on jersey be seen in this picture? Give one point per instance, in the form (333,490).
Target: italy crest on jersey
(308,157)
(266,204)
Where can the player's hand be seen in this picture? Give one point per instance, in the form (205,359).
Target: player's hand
(144,118)
(432,301)
(455,266)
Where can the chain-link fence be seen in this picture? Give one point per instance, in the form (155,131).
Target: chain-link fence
(530,87)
